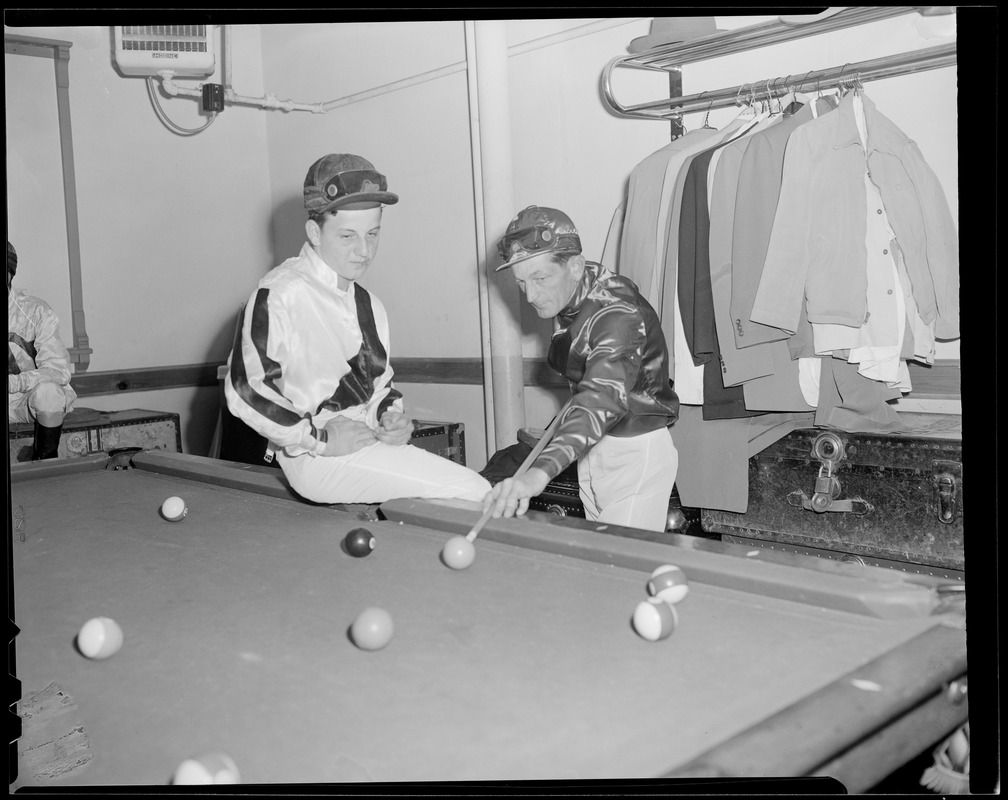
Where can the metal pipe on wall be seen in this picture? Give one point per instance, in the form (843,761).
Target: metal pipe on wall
(226,47)
(490,68)
(480,220)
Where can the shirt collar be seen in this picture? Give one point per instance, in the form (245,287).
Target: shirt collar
(326,274)
(845,127)
(591,273)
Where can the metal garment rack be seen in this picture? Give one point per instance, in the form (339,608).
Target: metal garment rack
(670,58)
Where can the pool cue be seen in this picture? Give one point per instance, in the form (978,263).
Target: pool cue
(531,457)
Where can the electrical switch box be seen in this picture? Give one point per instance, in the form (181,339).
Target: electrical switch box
(213,97)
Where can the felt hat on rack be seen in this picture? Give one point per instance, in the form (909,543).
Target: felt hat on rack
(674,30)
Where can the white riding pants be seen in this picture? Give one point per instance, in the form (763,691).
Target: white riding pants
(381,472)
(45,397)
(628,481)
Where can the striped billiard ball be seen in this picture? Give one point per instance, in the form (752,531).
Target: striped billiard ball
(654,619)
(668,582)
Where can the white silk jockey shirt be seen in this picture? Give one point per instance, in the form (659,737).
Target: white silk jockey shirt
(35,352)
(309,351)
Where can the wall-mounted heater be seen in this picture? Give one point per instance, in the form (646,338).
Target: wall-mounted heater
(186,50)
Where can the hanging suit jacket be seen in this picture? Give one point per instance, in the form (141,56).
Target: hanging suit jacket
(752,362)
(696,302)
(642,238)
(756,197)
(687,376)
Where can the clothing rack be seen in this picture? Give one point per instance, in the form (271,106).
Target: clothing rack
(670,58)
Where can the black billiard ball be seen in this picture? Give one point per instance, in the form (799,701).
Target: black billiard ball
(359,542)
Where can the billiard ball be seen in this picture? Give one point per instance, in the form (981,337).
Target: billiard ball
(99,638)
(359,542)
(655,619)
(669,583)
(174,509)
(208,769)
(372,629)
(458,552)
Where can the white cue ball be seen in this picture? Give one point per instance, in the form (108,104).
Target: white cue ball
(458,552)
(208,769)
(174,509)
(669,583)
(655,619)
(100,637)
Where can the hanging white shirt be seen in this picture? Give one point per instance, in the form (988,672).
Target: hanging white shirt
(875,346)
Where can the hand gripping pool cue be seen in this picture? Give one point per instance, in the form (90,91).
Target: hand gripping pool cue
(529,459)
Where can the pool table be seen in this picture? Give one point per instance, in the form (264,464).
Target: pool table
(523,667)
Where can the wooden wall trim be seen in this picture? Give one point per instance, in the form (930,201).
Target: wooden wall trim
(144,379)
(465,371)
(940,381)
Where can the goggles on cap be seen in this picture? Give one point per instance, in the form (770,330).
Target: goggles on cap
(536,239)
(355,181)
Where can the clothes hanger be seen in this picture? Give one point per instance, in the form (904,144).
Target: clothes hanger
(843,82)
(772,97)
(804,98)
(761,112)
(747,109)
(794,102)
(768,103)
(786,98)
(758,106)
(706,121)
(786,103)
(830,99)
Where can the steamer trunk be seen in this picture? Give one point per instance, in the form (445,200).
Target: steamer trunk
(894,499)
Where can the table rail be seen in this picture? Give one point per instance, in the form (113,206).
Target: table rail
(870,591)
(919,682)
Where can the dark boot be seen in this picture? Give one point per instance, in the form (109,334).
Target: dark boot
(46,441)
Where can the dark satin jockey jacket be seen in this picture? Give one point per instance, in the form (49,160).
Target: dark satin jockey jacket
(610,347)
